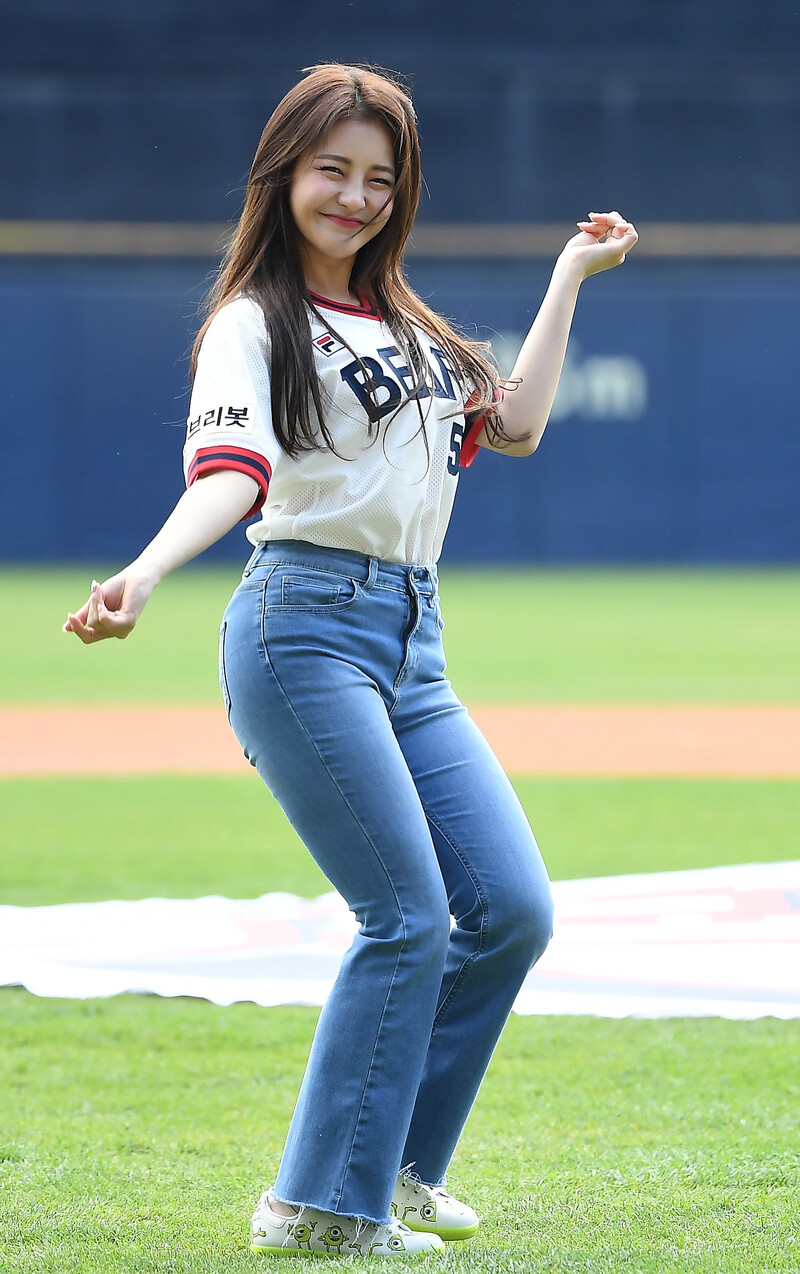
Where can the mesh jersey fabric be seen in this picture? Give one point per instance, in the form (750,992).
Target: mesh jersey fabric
(381,495)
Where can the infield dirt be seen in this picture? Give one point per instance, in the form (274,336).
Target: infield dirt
(692,741)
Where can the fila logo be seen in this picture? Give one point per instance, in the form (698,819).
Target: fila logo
(328,344)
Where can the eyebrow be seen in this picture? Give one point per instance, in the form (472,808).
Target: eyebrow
(343,159)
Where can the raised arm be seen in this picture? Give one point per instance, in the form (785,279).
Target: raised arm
(602,243)
(209,509)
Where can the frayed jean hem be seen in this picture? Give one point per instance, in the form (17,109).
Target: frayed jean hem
(360,1220)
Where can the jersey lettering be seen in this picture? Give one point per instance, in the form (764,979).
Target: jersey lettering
(456,439)
(397,382)
(448,374)
(401,370)
(366,387)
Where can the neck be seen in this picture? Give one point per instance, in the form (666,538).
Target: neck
(328,278)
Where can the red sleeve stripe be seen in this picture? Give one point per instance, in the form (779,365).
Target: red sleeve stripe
(469,445)
(208,459)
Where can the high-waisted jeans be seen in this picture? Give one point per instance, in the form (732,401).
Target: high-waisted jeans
(333,674)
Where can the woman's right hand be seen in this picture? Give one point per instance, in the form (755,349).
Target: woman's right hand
(113,607)
(208,510)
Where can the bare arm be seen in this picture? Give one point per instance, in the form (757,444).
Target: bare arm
(526,407)
(204,513)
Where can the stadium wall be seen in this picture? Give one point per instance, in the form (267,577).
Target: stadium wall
(674,437)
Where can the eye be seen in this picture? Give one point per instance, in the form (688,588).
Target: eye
(331,168)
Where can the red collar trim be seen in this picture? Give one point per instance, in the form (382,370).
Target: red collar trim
(365,309)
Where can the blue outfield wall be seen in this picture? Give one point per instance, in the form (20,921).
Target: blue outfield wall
(674,437)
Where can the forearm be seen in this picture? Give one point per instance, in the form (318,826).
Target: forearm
(210,508)
(527,404)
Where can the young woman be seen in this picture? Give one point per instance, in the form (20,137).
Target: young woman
(329,398)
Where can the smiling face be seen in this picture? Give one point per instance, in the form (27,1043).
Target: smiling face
(341,192)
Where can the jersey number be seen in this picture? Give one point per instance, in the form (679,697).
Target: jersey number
(456,439)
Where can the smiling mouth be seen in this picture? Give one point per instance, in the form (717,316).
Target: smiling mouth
(350,222)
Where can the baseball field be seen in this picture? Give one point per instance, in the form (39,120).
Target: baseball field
(650,721)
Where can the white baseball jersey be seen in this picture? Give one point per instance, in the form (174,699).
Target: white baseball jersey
(380,496)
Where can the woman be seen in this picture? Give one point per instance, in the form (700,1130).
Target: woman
(328,397)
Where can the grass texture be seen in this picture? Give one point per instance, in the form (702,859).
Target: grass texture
(511,636)
(82,840)
(137,1134)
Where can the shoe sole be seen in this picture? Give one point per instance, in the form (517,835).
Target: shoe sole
(449,1236)
(299,1251)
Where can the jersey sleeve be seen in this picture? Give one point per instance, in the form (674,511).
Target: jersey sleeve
(230,415)
(474,423)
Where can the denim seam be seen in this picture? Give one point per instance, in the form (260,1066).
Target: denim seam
(459,977)
(223,671)
(370,842)
(403,669)
(368,1078)
(384,588)
(327,570)
(311,566)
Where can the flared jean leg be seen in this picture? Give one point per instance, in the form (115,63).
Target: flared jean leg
(500,896)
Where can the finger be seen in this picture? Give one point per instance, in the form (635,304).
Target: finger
(610,218)
(95,603)
(82,614)
(611,223)
(87,635)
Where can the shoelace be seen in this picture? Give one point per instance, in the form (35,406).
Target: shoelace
(439,1191)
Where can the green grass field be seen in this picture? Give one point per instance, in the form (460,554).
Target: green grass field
(136,1133)
(609,636)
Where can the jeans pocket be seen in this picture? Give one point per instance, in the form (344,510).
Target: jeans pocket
(223,675)
(310,590)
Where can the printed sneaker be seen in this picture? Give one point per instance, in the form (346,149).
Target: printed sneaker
(431,1210)
(314,1233)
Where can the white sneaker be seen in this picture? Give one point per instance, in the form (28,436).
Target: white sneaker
(431,1210)
(315,1233)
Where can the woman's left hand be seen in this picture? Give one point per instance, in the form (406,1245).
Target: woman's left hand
(603,242)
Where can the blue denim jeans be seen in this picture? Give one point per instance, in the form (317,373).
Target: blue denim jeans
(333,673)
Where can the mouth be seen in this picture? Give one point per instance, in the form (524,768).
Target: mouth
(350,223)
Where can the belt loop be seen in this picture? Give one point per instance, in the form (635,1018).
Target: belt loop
(251,561)
(371,574)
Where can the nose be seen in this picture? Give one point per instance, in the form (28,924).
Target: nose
(352,197)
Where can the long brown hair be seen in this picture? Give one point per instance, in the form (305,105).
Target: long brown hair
(263,258)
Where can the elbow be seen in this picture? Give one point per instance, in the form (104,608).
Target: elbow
(528,445)
(526,440)
(535,437)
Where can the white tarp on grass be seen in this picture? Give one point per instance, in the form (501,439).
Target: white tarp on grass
(722,941)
